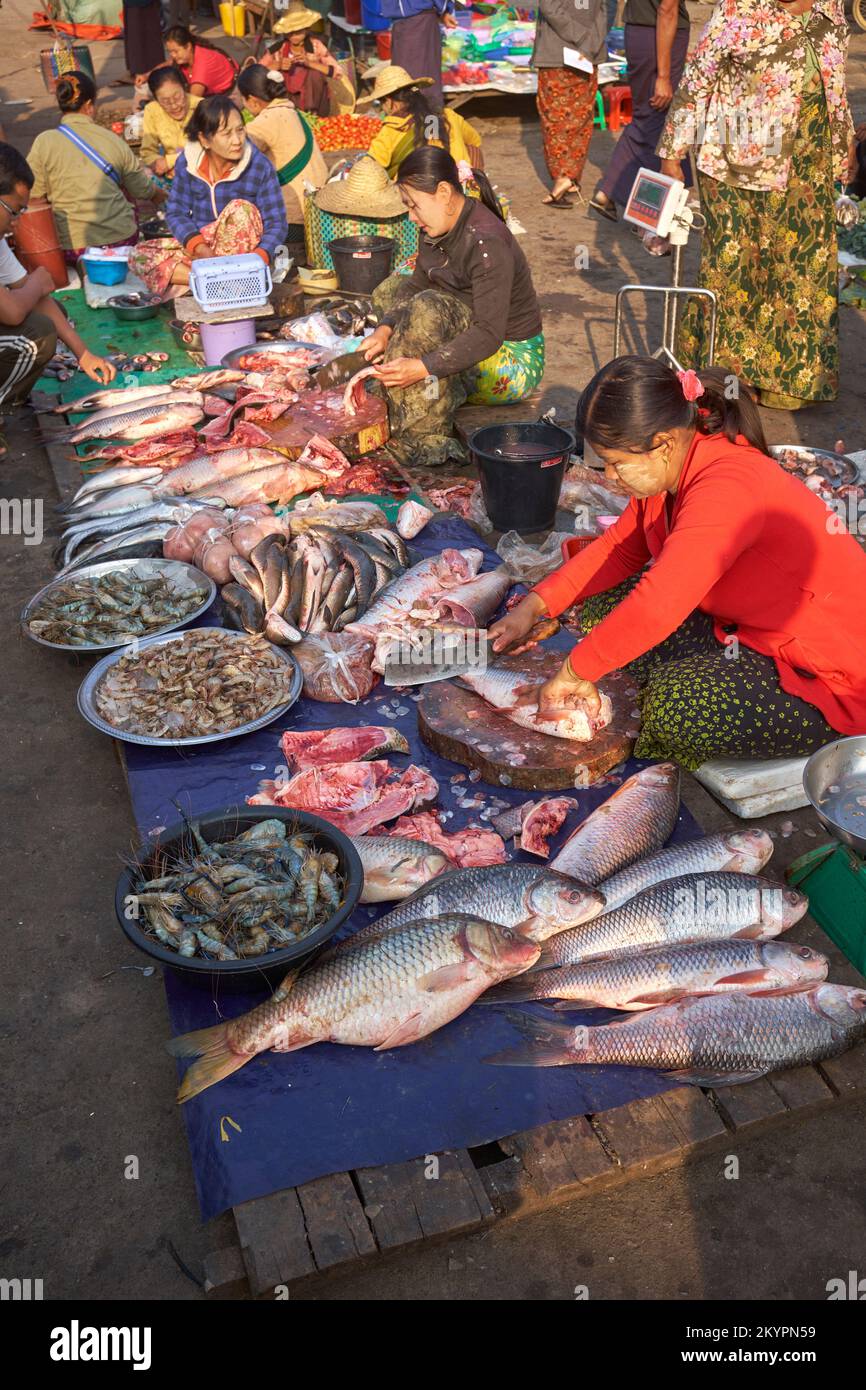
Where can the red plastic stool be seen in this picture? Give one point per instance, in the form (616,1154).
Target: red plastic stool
(619,107)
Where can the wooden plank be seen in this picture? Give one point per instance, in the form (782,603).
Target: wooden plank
(337,1228)
(403,1204)
(801,1088)
(641,1135)
(225,1275)
(560,1155)
(273,1240)
(389,1204)
(692,1117)
(750,1103)
(847,1073)
(508,1185)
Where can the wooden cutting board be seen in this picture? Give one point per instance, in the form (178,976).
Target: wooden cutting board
(321,412)
(458,724)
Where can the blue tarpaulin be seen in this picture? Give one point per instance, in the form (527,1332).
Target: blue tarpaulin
(327,1109)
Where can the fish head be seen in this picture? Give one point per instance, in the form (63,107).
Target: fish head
(555,902)
(782,907)
(750,850)
(499,951)
(794,967)
(659,775)
(841,1004)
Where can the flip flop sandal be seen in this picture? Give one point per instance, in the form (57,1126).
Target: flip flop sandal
(605,210)
(561,201)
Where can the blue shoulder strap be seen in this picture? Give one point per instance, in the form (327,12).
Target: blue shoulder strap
(97,159)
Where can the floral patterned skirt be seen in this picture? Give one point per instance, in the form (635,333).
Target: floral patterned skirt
(237,230)
(510,374)
(566,106)
(770,257)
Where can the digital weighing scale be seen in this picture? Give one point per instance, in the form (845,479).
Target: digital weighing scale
(659,204)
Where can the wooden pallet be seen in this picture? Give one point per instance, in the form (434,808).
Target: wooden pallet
(335,1222)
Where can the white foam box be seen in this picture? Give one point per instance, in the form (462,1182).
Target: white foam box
(751,787)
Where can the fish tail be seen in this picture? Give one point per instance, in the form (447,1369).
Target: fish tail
(550,1043)
(217,1059)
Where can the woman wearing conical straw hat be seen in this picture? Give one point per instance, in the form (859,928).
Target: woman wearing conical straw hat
(314,79)
(412,118)
(466,323)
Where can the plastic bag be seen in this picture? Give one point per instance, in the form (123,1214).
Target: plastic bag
(314,328)
(587,498)
(476,512)
(529,563)
(337,666)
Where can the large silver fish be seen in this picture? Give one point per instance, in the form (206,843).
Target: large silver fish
(147,420)
(714,1041)
(422,581)
(395,866)
(112,396)
(140,542)
(475,602)
(514,694)
(695,907)
(634,822)
(531,897)
(383,993)
(663,974)
(177,510)
(736,851)
(124,475)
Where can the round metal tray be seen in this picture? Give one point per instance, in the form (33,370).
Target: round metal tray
(144,569)
(848,467)
(276,349)
(87,697)
(834,780)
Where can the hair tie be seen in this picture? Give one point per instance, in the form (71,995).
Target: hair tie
(691,384)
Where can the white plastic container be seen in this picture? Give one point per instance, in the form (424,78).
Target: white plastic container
(230,282)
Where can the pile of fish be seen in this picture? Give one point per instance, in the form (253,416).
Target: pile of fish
(112,608)
(266,888)
(205,681)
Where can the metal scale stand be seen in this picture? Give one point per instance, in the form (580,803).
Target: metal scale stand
(659,204)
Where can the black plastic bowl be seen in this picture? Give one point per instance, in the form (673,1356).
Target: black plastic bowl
(236,976)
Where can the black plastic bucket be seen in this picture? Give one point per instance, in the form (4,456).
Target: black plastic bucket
(521,467)
(362,262)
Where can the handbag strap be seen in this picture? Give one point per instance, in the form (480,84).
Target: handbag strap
(92,154)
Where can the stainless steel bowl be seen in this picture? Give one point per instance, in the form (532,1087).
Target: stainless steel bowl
(276,349)
(834,780)
(183,576)
(87,697)
(828,462)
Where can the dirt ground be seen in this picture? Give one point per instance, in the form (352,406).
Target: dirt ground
(83,1026)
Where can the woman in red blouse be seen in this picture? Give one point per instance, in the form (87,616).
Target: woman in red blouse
(208,70)
(726,587)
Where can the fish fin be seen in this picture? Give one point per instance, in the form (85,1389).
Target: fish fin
(747,977)
(216,1058)
(405,1032)
(447,977)
(286,985)
(533,1055)
(649,1001)
(515,991)
(563,1005)
(695,1077)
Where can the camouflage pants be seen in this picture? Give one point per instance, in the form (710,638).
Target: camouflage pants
(422,416)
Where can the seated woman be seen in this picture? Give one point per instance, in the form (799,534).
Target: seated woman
(724,587)
(88,174)
(219,172)
(314,79)
(464,324)
(208,70)
(412,120)
(165,118)
(285,139)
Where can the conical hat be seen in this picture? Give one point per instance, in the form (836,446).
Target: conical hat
(392,79)
(297,17)
(366,192)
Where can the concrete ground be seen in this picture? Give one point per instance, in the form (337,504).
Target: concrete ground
(83,1026)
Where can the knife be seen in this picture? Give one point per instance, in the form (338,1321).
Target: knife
(339,370)
(436,655)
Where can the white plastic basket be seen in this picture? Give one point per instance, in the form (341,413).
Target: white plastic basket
(230,282)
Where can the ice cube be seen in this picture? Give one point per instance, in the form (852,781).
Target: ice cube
(475,775)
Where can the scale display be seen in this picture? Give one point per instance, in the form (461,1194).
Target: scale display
(654,201)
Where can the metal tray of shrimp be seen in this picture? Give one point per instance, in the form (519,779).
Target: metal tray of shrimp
(276,349)
(837,470)
(184,578)
(87,693)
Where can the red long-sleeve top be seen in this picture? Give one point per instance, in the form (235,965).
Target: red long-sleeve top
(751,546)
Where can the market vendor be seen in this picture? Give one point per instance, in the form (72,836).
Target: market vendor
(88,174)
(165,118)
(314,78)
(225,200)
(722,588)
(285,138)
(31,320)
(208,70)
(465,324)
(412,119)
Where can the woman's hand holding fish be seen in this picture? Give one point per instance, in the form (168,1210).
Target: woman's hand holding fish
(97,368)
(375,345)
(515,625)
(563,691)
(402,371)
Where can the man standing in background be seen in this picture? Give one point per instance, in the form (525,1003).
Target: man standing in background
(656,43)
(416,39)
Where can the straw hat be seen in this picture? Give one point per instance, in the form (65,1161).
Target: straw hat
(367,192)
(298,17)
(391,79)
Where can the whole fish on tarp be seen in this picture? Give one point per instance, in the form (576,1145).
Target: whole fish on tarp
(210,469)
(475,602)
(174,511)
(530,897)
(738,851)
(114,396)
(346,516)
(695,907)
(279,483)
(143,423)
(663,974)
(422,581)
(381,994)
(515,696)
(638,819)
(716,1040)
(394,866)
(140,542)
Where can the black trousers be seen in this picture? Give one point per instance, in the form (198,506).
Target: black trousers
(25,348)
